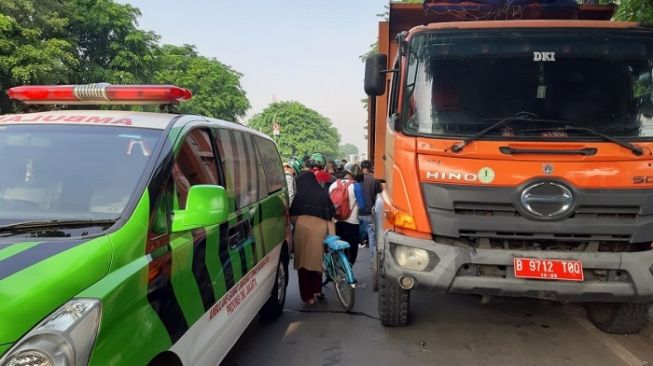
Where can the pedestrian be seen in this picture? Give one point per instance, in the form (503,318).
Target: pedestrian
(371,187)
(291,168)
(331,167)
(317,162)
(347,197)
(312,215)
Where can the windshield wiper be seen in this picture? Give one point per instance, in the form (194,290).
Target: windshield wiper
(36,224)
(627,145)
(530,117)
(519,117)
(632,147)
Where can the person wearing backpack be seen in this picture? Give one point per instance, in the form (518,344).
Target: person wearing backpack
(347,197)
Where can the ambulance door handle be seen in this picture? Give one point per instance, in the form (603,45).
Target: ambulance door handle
(235,236)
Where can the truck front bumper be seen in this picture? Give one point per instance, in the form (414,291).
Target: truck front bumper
(610,277)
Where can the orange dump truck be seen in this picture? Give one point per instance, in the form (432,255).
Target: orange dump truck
(516,155)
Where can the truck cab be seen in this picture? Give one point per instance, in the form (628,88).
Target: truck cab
(517,158)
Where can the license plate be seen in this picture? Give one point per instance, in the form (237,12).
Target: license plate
(548,269)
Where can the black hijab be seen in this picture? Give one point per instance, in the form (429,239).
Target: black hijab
(311,199)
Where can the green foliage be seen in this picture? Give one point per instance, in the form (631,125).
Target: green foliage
(216,87)
(110,46)
(303,130)
(33,45)
(345,150)
(636,10)
(90,41)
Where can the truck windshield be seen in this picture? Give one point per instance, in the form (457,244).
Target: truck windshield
(460,82)
(70,172)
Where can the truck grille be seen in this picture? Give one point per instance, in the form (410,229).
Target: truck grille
(507,209)
(476,212)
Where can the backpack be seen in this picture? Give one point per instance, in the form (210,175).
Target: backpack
(340,197)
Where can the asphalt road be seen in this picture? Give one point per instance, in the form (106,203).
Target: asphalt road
(444,330)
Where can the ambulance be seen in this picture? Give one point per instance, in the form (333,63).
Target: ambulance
(134,238)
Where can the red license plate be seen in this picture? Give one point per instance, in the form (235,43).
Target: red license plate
(548,269)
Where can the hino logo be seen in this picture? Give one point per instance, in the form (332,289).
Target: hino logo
(544,56)
(460,177)
(547,200)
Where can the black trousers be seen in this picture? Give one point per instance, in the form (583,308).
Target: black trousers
(349,233)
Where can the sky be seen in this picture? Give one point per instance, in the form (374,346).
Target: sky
(301,50)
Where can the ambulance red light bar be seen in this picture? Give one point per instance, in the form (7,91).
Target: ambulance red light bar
(102,93)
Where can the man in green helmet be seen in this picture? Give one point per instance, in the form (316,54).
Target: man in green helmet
(317,162)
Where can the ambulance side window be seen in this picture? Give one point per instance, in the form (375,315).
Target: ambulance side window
(195,164)
(272,164)
(245,181)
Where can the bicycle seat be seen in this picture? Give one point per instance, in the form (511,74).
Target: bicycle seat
(334,243)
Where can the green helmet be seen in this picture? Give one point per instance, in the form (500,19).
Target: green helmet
(318,159)
(295,164)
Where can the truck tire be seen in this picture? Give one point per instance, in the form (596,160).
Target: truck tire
(274,306)
(393,301)
(375,273)
(618,318)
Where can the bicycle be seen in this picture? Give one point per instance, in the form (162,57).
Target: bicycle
(337,268)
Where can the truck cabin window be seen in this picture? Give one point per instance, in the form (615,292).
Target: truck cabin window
(460,82)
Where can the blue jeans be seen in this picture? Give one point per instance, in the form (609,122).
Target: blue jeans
(366,221)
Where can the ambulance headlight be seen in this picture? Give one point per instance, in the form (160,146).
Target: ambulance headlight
(65,338)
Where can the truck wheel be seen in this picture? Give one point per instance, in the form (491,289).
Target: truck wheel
(393,301)
(618,318)
(375,273)
(274,306)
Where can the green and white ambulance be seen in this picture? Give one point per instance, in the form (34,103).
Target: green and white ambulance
(133,238)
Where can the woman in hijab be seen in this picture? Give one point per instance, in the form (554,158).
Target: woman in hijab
(312,215)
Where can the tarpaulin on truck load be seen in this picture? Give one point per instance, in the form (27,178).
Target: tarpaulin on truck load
(453,10)
(504,3)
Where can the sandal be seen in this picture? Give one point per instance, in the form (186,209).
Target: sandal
(320,296)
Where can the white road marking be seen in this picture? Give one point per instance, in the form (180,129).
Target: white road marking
(620,351)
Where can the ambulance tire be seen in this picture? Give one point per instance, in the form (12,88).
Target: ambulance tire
(393,301)
(618,318)
(166,359)
(274,306)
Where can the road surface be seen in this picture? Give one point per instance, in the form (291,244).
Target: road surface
(444,330)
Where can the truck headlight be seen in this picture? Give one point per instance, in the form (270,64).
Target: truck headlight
(412,258)
(65,338)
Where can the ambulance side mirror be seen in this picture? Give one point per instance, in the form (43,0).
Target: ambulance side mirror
(375,70)
(206,205)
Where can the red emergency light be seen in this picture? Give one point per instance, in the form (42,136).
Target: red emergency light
(101,93)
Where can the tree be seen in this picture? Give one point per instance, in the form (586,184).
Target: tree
(636,10)
(303,130)
(216,87)
(33,45)
(90,41)
(109,44)
(347,149)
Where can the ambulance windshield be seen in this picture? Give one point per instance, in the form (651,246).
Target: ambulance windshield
(460,82)
(70,172)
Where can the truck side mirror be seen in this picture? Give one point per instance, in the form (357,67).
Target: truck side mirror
(375,67)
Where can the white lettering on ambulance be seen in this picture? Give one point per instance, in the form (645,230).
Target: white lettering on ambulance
(68,119)
(237,294)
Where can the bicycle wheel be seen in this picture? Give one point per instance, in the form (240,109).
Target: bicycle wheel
(344,290)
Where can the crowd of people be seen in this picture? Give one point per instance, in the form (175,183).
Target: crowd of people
(328,198)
